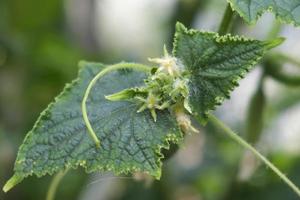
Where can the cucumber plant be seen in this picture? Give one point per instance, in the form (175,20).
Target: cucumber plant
(119,117)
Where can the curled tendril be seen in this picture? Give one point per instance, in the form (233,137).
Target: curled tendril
(135,66)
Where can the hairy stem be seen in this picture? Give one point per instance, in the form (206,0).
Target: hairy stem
(226,21)
(106,70)
(246,145)
(54,184)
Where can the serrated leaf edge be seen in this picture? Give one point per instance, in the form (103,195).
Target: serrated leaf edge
(181,29)
(18,177)
(259,14)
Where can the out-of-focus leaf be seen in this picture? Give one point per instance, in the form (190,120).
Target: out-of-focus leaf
(288,11)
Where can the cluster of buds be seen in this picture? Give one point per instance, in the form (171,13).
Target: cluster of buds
(166,87)
(152,102)
(168,64)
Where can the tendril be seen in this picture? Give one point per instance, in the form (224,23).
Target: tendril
(261,157)
(110,68)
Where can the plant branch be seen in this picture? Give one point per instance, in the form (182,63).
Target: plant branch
(246,145)
(54,184)
(226,22)
(103,72)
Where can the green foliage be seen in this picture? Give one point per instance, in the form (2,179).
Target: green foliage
(215,64)
(130,141)
(251,10)
(135,124)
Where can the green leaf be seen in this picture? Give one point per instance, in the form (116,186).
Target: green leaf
(215,64)
(251,10)
(126,94)
(130,141)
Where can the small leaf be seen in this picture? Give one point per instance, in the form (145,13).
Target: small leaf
(130,141)
(125,94)
(215,64)
(251,10)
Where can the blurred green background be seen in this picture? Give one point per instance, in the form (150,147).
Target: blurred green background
(41,43)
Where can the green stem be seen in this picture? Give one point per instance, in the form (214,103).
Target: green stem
(54,184)
(255,114)
(254,121)
(226,21)
(273,68)
(246,145)
(285,58)
(106,70)
(285,78)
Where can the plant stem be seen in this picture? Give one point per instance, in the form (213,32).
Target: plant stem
(254,121)
(54,184)
(246,145)
(285,78)
(285,58)
(273,69)
(226,21)
(106,70)
(255,113)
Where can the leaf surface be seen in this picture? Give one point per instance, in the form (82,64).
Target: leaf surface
(130,141)
(287,11)
(215,64)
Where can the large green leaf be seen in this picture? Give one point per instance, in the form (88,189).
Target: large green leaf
(287,11)
(215,64)
(130,141)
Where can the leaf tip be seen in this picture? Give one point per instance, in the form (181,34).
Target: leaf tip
(82,63)
(275,42)
(180,27)
(12,182)
(122,95)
